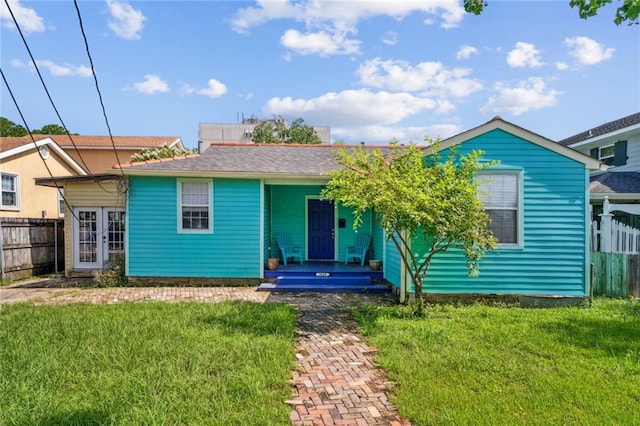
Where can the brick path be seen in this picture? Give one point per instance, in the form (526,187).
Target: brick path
(336,383)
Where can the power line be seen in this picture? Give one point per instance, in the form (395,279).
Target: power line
(95,79)
(26,126)
(44,85)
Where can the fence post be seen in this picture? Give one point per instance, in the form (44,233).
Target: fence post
(605,227)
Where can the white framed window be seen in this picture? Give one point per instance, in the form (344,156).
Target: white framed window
(10,191)
(195,206)
(60,202)
(607,152)
(501,195)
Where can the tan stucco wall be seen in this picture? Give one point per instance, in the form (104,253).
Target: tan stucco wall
(86,194)
(100,160)
(33,199)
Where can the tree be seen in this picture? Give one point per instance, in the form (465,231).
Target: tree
(628,11)
(51,129)
(278,132)
(159,152)
(9,128)
(412,198)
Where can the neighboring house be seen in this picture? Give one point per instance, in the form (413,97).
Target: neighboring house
(21,162)
(95,223)
(209,133)
(617,144)
(215,215)
(97,154)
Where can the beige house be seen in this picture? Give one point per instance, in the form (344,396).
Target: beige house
(97,154)
(21,162)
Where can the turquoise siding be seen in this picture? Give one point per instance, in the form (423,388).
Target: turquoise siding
(392,264)
(157,249)
(552,260)
(269,251)
(347,235)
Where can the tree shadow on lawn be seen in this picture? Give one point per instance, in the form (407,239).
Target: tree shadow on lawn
(253,318)
(78,417)
(619,335)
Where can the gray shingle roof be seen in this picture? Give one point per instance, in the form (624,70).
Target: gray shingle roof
(252,159)
(615,183)
(605,128)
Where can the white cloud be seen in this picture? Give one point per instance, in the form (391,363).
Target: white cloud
(466,51)
(562,65)
(126,22)
(587,51)
(433,78)
(524,55)
(319,43)
(390,38)
(55,70)
(214,89)
(382,135)
(527,95)
(152,84)
(27,18)
(329,23)
(356,106)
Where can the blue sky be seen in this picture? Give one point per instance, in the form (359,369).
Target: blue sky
(370,70)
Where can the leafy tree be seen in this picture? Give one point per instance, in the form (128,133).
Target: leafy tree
(436,200)
(9,128)
(628,11)
(51,129)
(278,132)
(159,152)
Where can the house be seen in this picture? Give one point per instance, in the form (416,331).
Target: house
(617,144)
(22,161)
(215,215)
(209,133)
(96,201)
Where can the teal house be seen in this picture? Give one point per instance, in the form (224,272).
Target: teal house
(215,217)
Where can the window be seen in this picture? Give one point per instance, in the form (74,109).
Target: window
(10,198)
(614,154)
(60,202)
(194,206)
(606,152)
(500,194)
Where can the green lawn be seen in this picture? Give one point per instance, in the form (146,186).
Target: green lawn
(480,365)
(146,363)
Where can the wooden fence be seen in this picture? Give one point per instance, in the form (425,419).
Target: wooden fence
(615,274)
(30,247)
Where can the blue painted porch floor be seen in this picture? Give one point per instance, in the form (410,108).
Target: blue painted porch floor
(324,277)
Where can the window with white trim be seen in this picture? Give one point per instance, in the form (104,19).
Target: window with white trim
(500,195)
(606,153)
(195,205)
(60,202)
(10,192)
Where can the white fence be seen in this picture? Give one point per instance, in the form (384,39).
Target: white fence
(610,236)
(619,238)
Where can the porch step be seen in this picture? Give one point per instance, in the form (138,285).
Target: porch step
(324,284)
(357,280)
(324,288)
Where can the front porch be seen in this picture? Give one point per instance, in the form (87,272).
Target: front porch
(325,276)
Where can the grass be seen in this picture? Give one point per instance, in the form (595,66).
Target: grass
(480,365)
(151,363)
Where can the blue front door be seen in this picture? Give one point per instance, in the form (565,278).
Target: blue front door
(321,230)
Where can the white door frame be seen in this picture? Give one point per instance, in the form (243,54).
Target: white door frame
(93,242)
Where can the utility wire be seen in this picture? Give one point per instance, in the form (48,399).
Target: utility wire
(95,79)
(26,126)
(44,85)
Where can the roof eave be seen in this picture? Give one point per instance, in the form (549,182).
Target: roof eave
(213,174)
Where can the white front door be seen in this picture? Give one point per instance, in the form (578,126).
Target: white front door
(98,235)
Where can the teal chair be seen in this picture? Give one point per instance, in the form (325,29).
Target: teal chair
(359,251)
(288,249)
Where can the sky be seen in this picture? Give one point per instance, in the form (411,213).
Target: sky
(372,71)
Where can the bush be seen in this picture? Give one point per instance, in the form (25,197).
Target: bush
(113,275)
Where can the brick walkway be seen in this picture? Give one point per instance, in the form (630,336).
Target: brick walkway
(336,382)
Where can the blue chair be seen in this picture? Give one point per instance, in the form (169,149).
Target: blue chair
(288,249)
(359,251)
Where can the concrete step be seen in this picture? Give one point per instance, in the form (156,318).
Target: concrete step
(357,280)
